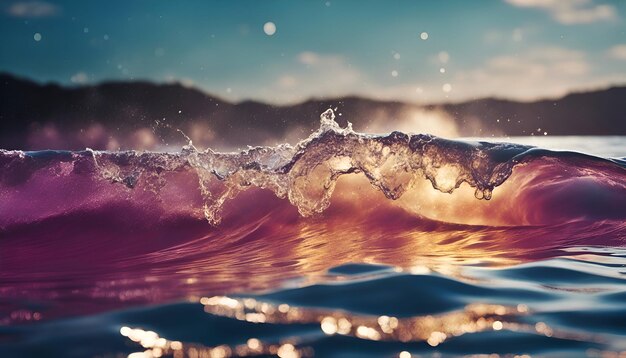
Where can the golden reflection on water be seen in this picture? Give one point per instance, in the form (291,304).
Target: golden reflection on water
(360,226)
(425,230)
(156,346)
(432,329)
(263,244)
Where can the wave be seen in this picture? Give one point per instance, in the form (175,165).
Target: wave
(135,223)
(550,186)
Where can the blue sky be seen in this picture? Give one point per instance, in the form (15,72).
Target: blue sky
(521,49)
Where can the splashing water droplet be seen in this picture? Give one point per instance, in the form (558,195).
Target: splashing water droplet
(327,120)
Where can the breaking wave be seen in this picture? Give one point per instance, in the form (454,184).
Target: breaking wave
(306,174)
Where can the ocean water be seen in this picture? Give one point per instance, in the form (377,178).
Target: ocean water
(345,245)
(601,146)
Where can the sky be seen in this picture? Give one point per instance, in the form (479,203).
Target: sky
(282,51)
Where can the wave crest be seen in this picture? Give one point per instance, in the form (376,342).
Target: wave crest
(306,174)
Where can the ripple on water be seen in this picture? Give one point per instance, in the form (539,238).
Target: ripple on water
(374,310)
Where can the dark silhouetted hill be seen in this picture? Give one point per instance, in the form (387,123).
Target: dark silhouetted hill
(144,115)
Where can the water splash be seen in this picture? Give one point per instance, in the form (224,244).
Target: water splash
(306,174)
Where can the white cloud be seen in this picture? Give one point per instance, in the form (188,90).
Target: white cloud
(33,9)
(180,80)
(287,81)
(440,59)
(309,58)
(537,73)
(571,12)
(308,74)
(318,75)
(518,34)
(79,78)
(618,52)
(540,72)
(312,59)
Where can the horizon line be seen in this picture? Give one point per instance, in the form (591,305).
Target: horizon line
(210,94)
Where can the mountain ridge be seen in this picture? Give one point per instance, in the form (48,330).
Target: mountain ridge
(118,114)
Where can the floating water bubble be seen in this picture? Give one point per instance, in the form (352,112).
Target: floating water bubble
(447,88)
(37,36)
(442,70)
(424,36)
(394,73)
(269,28)
(396,56)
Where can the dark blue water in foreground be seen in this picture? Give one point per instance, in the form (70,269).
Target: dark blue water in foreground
(574,305)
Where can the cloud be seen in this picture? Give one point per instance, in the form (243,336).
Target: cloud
(183,81)
(496,37)
(33,9)
(570,12)
(287,81)
(316,60)
(618,52)
(315,74)
(309,58)
(307,75)
(79,78)
(539,72)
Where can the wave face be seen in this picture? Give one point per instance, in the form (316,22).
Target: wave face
(515,244)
